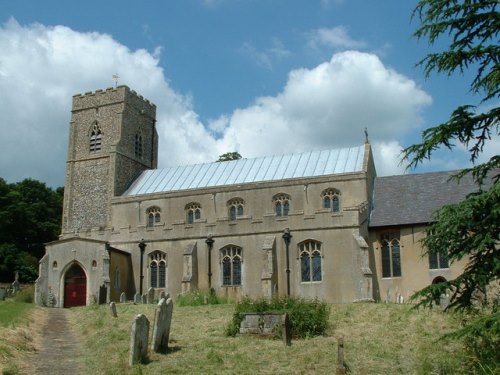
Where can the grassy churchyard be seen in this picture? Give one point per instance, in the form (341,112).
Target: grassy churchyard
(379,339)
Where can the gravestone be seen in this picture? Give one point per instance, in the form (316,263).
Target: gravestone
(137,298)
(123,297)
(16,284)
(444,301)
(341,370)
(3,293)
(144,299)
(205,300)
(161,326)
(162,295)
(261,323)
(112,309)
(287,330)
(150,296)
(139,340)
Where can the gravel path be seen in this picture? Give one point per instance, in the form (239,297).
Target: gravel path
(58,349)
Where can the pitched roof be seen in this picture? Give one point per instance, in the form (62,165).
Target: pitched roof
(267,168)
(413,198)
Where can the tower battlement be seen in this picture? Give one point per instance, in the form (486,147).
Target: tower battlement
(111,95)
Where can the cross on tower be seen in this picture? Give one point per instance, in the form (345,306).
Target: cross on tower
(115,78)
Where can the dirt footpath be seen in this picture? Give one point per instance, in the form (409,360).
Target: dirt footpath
(56,347)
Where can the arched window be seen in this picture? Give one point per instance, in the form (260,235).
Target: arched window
(235,208)
(281,205)
(138,146)
(310,260)
(391,255)
(153,215)
(331,200)
(193,212)
(157,269)
(95,138)
(231,259)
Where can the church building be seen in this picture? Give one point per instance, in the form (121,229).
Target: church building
(316,224)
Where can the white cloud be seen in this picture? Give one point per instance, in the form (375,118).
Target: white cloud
(336,37)
(327,106)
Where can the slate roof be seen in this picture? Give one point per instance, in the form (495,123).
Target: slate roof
(262,169)
(413,198)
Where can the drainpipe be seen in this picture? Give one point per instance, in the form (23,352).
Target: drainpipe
(210,242)
(142,247)
(286,237)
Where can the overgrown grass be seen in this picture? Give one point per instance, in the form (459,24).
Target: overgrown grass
(379,339)
(198,298)
(308,318)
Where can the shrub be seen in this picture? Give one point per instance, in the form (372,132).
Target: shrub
(308,318)
(25,294)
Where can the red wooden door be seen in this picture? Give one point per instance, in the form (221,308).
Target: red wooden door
(75,287)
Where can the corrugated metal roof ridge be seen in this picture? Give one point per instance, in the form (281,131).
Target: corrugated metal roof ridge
(277,167)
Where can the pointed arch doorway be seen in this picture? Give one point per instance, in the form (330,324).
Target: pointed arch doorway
(75,287)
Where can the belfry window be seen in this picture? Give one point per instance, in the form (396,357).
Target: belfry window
(138,146)
(231,259)
(193,212)
(158,269)
(281,205)
(331,200)
(235,208)
(95,138)
(153,215)
(310,260)
(391,255)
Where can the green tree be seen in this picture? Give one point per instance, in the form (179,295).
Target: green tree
(229,156)
(30,215)
(469,229)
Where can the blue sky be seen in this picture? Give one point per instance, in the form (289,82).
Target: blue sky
(257,76)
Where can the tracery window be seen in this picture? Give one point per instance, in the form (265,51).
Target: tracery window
(235,208)
(193,212)
(391,255)
(153,215)
(331,200)
(158,269)
(231,259)
(95,138)
(138,145)
(281,205)
(438,261)
(310,260)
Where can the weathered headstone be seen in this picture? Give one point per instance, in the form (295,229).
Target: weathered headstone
(161,326)
(139,340)
(112,309)
(123,297)
(3,293)
(205,300)
(444,301)
(150,296)
(16,284)
(137,298)
(162,295)
(340,357)
(287,330)
(144,299)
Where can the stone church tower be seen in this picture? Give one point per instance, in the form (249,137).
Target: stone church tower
(112,139)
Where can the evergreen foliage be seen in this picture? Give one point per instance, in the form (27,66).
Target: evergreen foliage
(469,229)
(229,156)
(30,215)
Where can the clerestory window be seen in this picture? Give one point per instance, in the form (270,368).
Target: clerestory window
(193,212)
(391,255)
(231,259)
(310,260)
(331,200)
(281,205)
(153,216)
(235,208)
(95,138)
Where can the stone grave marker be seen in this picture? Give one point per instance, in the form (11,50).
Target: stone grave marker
(123,297)
(162,295)
(150,296)
(137,298)
(144,299)
(161,326)
(139,340)
(112,309)
(287,330)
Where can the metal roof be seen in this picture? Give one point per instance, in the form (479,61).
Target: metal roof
(267,168)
